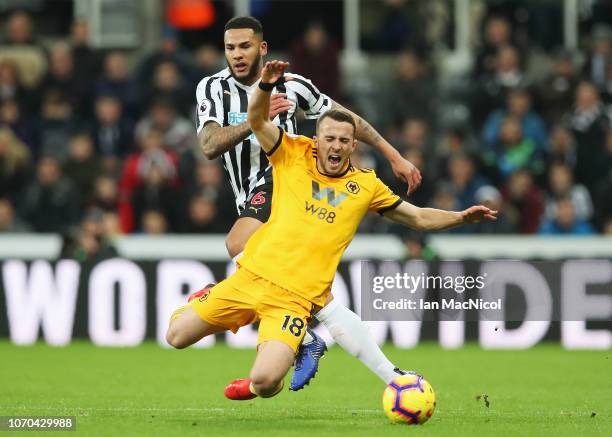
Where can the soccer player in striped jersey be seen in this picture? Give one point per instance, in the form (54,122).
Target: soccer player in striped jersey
(223,130)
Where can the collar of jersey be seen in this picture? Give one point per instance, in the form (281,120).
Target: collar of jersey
(349,168)
(243,86)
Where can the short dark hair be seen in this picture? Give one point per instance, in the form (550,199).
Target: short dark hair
(338,115)
(245,23)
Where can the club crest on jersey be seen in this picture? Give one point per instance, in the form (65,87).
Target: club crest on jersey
(333,198)
(352,187)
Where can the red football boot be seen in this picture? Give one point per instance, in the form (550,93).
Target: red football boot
(203,293)
(239,390)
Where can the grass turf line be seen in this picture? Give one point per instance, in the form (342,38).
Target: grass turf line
(153,391)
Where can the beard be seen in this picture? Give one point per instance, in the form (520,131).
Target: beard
(251,74)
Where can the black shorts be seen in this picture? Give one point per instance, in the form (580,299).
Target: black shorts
(259,203)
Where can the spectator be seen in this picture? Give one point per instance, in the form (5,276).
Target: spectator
(202,217)
(12,117)
(562,146)
(167,83)
(514,152)
(490,197)
(178,132)
(55,125)
(111,228)
(11,87)
(208,182)
(169,51)
(565,221)
(115,81)
(589,124)
(600,58)
(90,242)
(8,221)
(154,223)
(22,48)
(464,180)
(455,140)
(493,88)
(316,56)
(86,59)
(415,134)
(208,61)
(20,30)
(397,29)
(156,193)
(561,186)
(14,164)
(519,106)
(63,77)
(556,91)
(498,33)
(411,94)
(524,202)
(111,132)
(105,194)
(136,166)
(49,204)
(82,167)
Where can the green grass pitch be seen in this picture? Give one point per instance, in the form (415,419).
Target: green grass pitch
(152,391)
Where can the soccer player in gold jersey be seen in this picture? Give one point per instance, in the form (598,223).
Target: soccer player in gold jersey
(289,263)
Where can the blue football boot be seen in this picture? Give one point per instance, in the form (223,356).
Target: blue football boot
(307,361)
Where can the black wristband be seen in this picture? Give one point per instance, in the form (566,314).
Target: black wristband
(266,86)
(270,86)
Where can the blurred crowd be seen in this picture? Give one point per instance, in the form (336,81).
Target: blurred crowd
(537,150)
(95,144)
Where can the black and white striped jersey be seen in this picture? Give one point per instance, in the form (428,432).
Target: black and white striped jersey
(223,100)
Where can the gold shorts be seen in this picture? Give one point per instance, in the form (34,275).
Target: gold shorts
(245,298)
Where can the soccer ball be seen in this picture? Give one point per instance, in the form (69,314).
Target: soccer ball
(409,399)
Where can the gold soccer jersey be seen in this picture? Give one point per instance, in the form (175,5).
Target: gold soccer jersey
(314,218)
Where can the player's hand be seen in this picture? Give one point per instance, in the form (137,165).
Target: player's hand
(273,70)
(407,172)
(279,104)
(476,214)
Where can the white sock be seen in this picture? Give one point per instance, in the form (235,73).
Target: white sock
(307,338)
(352,334)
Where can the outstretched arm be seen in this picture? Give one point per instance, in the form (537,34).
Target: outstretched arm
(430,219)
(215,140)
(267,133)
(402,168)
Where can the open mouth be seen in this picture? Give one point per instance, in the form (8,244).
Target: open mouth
(334,160)
(240,67)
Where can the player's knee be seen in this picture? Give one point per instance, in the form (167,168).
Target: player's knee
(234,245)
(265,384)
(175,338)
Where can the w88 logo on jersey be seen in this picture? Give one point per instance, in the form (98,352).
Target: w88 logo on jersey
(320,212)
